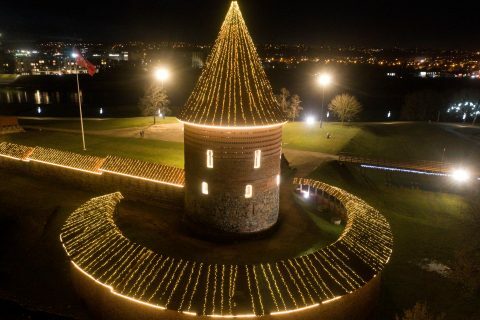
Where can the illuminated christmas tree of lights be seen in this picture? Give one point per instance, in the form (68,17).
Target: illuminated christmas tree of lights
(233,89)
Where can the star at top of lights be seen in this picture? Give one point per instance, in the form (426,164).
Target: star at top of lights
(233,89)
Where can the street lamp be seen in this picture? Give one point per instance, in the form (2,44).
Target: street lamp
(162,74)
(310,120)
(323,80)
(460,175)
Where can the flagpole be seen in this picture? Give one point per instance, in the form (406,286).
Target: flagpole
(80,107)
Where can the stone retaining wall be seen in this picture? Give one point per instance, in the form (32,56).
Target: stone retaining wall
(103,304)
(132,188)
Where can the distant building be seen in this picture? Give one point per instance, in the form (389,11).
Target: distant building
(118,56)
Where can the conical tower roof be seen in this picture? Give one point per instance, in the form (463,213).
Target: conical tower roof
(233,89)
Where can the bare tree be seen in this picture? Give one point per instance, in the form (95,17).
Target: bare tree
(154,102)
(345,107)
(419,312)
(422,105)
(283,99)
(295,107)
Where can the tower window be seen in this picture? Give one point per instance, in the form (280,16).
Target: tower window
(209,158)
(248,191)
(258,156)
(204,187)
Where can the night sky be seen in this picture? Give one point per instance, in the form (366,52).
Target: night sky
(425,24)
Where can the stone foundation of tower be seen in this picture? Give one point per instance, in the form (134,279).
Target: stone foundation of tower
(216,195)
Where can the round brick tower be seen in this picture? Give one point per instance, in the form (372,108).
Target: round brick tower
(233,135)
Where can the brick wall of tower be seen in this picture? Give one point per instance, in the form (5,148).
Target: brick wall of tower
(225,208)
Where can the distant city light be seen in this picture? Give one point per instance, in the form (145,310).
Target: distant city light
(310,120)
(460,175)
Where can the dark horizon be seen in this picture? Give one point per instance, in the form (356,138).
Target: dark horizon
(406,24)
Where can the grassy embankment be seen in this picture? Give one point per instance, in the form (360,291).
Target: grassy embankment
(426,224)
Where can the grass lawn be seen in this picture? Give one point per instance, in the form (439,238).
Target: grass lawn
(298,135)
(93,125)
(34,270)
(396,141)
(426,225)
(165,152)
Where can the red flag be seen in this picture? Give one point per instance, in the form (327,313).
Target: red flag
(82,62)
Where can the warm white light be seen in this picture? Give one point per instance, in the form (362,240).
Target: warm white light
(460,175)
(209,158)
(204,187)
(278,179)
(248,191)
(310,120)
(162,74)
(324,79)
(258,156)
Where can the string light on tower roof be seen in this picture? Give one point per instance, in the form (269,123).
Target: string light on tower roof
(233,89)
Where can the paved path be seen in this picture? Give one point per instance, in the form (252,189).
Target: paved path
(451,128)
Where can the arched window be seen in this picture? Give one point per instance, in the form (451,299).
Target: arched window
(209,158)
(258,157)
(248,191)
(204,187)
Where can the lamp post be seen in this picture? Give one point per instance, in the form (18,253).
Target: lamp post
(323,80)
(79,94)
(161,75)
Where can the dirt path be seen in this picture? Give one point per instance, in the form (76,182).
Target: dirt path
(451,128)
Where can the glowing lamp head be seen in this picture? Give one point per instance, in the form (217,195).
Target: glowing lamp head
(74,55)
(162,74)
(324,79)
(310,120)
(460,175)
